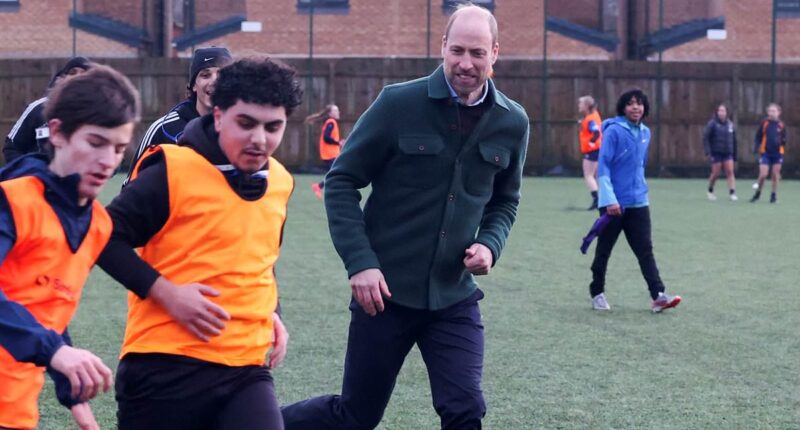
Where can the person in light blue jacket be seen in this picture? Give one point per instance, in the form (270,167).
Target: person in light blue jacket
(623,195)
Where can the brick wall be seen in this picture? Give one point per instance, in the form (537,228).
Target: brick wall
(127,11)
(395,28)
(748,23)
(398,28)
(40,29)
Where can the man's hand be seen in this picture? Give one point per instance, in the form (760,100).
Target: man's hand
(190,308)
(368,286)
(614,210)
(86,372)
(478,259)
(83,416)
(280,337)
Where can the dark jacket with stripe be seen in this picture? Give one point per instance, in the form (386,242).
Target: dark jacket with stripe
(22,139)
(167,129)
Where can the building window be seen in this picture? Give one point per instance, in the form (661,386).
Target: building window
(448,6)
(328,7)
(9,5)
(787,8)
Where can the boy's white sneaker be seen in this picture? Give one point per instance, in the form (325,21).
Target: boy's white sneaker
(599,303)
(664,301)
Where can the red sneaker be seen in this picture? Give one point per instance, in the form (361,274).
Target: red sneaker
(665,301)
(317,190)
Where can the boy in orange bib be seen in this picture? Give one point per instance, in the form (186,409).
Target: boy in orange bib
(52,231)
(208,215)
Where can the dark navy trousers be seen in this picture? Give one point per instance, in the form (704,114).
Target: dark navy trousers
(451,343)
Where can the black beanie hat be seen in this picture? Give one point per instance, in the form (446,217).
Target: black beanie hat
(79,62)
(208,57)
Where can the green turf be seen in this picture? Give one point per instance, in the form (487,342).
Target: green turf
(727,358)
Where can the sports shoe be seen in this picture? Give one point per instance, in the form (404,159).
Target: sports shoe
(664,301)
(599,303)
(773,199)
(711,196)
(755,197)
(317,190)
(733,198)
(593,206)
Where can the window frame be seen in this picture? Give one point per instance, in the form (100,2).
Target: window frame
(787,8)
(9,6)
(324,7)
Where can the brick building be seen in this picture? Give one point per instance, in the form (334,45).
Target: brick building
(578,29)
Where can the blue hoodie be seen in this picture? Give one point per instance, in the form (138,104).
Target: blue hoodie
(620,166)
(20,333)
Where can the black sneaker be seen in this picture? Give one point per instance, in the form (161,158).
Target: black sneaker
(755,197)
(773,199)
(593,206)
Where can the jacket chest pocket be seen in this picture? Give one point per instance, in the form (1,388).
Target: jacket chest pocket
(419,163)
(479,176)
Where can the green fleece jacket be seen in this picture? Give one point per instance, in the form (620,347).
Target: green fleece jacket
(433,195)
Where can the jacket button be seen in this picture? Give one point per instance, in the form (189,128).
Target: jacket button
(496,158)
(443,233)
(451,197)
(421,147)
(453,126)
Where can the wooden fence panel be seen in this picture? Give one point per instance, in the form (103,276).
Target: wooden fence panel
(690,94)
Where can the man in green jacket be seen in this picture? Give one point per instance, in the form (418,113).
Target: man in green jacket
(444,156)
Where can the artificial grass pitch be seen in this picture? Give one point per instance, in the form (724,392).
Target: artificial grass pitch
(727,358)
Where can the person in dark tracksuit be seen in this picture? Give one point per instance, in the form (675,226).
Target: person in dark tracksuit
(203,71)
(444,157)
(770,144)
(719,144)
(29,134)
(623,194)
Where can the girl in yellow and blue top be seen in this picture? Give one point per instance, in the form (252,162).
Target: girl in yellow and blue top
(623,194)
(770,142)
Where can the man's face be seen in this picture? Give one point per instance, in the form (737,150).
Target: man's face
(469,54)
(249,133)
(92,151)
(203,87)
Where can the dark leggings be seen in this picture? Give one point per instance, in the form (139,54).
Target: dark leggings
(635,222)
(160,391)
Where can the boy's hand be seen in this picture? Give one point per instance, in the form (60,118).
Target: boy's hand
(614,210)
(83,416)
